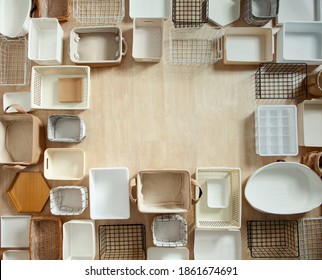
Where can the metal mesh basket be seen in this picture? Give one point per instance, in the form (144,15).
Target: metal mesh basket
(59,9)
(260,12)
(310,235)
(273,238)
(281,81)
(189,13)
(195,45)
(68,200)
(14,63)
(122,242)
(98,12)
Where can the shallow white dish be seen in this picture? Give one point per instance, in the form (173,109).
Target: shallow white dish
(21,98)
(16,255)
(223,12)
(284,188)
(159,253)
(150,9)
(217,245)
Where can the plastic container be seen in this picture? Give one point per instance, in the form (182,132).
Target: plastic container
(73,94)
(109,193)
(276,130)
(15,231)
(260,12)
(284,188)
(68,200)
(64,164)
(21,98)
(150,9)
(300,42)
(310,123)
(169,231)
(15,255)
(224,12)
(79,240)
(162,253)
(248,45)
(147,40)
(228,180)
(65,128)
(45,41)
(97,46)
(59,9)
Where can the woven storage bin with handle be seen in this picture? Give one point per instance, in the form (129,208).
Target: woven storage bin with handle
(45,238)
(59,9)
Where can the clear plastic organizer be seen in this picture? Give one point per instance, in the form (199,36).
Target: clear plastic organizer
(276,130)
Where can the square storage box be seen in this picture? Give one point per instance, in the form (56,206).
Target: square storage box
(64,164)
(300,42)
(45,41)
(21,98)
(109,193)
(310,123)
(163,253)
(160,9)
(248,45)
(79,240)
(147,40)
(276,130)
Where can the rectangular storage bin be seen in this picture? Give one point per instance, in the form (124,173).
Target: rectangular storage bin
(147,40)
(157,9)
(21,98)
(15,255)
(220,217)
(109,193)
(248,45)
(276,130)
(300,42)
(310,123)
(64,164)
(45,41)
(45,87)
(79,240)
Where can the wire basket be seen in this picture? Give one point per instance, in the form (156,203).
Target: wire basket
(310,235)
(273,238)
(45,238)
(189,13)
(98,12)
(260,12)
(122,242)
(14,63)
(59,9)
(281,81)
(195,45)
(68,200)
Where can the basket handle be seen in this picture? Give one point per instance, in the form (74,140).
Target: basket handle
(195,184)
(17,107)
(132,185)
(13,167)
(124,51)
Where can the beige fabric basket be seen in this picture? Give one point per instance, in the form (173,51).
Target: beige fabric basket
(164,191)
(314,83)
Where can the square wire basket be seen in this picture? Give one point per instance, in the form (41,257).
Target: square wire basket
(15,67)
(98,12)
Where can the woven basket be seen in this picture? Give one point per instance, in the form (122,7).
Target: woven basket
(45,238)
(59,9)
(314,83)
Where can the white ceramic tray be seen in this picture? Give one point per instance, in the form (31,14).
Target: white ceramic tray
(159,253)
(21,98)
(223,12)
(150,9)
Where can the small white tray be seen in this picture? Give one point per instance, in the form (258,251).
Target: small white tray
(150,8)
(223,12)
(159,253)
(21,98)
(16,255)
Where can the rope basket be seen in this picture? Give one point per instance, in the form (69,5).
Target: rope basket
(315,83)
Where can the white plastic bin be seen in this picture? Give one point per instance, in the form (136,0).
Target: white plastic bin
(310,123)
(248,45)
(147,40)
(150,9)
(21,98)
(300,42)
(45,41)
(163,253)
(224,12)
(16,255)
(276,130)
(79,240)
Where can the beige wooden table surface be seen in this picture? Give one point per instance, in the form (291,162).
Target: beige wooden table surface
(155,116)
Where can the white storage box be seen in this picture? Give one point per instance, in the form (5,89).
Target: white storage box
(310,123)
(248,45)
(97,46)
(109,193)
(209,217)
(21,98)
(64,164)
(15,231)
(60,87)
(150,9)
(45,41)
(147,40)
(162,253)
(223,12)
(79,240)
(300,42)
(16,255)
(276,130)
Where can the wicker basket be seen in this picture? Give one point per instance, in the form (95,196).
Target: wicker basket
(59,9)
(45,238)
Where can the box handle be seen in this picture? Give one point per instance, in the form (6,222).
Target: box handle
(195,184)
(17,107)
(124,51)
(132,185)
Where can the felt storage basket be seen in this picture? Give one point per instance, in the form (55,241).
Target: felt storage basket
(20,138)
(59,9)
(164,191)
(45,238)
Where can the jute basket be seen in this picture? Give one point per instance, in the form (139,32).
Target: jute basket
(314,83)
(59,9)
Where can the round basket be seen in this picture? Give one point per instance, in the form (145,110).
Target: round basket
(314,83)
